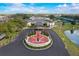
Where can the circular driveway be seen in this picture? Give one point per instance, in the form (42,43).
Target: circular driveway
(16,48)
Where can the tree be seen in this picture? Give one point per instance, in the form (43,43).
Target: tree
(72,31)
(73,22)
(45,24)
(32,25)
(51,16)
(63,23)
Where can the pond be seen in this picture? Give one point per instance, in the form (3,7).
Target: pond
(73,35)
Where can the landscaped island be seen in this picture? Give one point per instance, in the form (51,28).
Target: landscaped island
(38,40)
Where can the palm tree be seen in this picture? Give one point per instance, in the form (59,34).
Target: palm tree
(73,23)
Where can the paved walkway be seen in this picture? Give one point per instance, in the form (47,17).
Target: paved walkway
(17,48)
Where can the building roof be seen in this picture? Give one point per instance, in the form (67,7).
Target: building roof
(39,19)
(2,36)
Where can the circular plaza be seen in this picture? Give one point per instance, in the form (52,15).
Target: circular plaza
(38,40)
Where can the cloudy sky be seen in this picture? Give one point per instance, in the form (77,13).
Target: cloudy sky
(46,8)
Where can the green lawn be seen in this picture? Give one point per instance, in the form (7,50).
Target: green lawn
(9,39)
(70,46)
(11,29)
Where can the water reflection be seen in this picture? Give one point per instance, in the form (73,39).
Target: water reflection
(72,31)
(73,35)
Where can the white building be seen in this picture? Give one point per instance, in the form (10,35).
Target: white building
(40,21)
(37,17)
(4,18)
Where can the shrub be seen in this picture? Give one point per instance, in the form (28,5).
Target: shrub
(32,33)
(44,33)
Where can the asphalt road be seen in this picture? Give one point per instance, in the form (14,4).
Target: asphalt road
(16,48)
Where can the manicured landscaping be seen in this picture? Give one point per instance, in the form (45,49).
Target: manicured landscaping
(37,48)
(69,45)
(39,36)
(11,29)
(37,41)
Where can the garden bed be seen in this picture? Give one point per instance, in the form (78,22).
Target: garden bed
(37,41)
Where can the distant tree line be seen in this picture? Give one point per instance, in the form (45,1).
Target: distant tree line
(71,16)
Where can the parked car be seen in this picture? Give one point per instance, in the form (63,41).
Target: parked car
(2,36)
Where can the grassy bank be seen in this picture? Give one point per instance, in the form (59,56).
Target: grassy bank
(70,46)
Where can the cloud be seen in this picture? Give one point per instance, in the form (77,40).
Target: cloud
(15,8)
(22,8)
(75,6)
(31,8)
(68,9)
(64,5)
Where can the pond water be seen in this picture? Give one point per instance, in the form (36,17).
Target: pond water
(73,35)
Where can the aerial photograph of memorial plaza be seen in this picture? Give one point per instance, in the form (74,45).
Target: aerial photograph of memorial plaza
(39,29)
